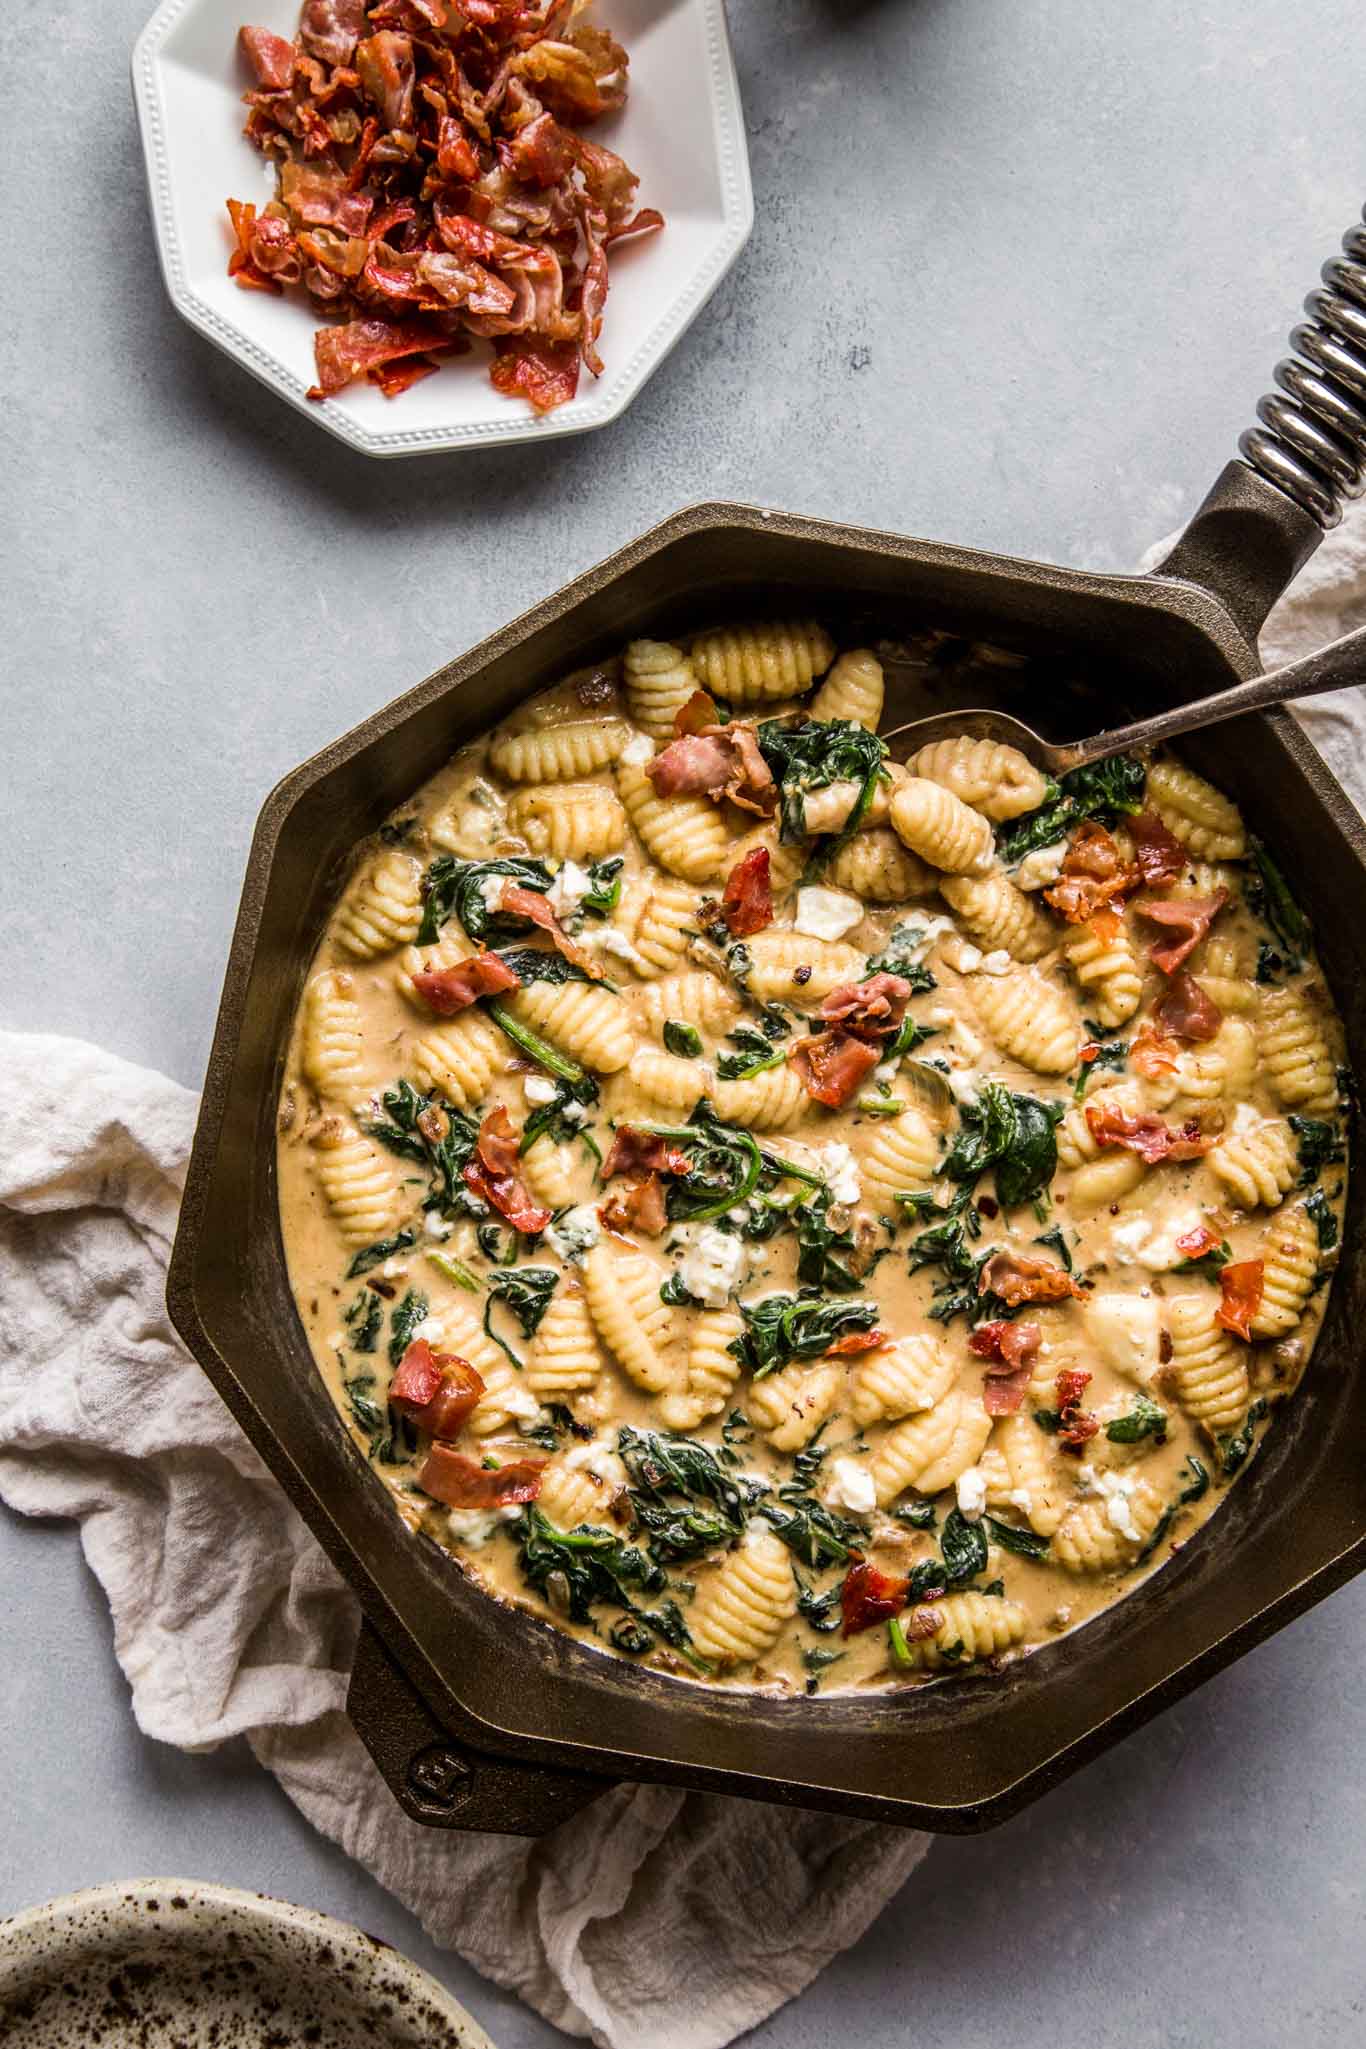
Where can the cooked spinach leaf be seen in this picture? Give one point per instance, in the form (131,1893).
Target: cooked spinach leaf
(1056,1241)
(737,1429)
(393,1438)
(1270,898)
(821,1612)
(810,1530)
(754,1054)
(1144,1419)
(724,1166)
(1111,1053)
(604,896)
(526,1291)
(445,1156)
(403,1321)
(811,756)
(1025,1543)
(1012,1133)
(1320,1210)
(453,887)
(683,1040)
(963,1547)
(562,1118)
(1320,1145)
(590,1565)
(905,940)
(363,1320)
(541,964)
(1210,1264)
(681,1493)
(783,1327)
(1235,1445)
(374,1255)
(824,1250)
(918,1514)
(1197,1484)
(1102,791)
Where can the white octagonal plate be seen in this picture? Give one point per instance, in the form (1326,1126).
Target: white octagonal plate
(682,130)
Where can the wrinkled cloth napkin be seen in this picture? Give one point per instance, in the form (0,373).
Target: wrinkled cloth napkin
(228,1620)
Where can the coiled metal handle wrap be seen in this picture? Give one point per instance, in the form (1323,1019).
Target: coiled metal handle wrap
(1312,440)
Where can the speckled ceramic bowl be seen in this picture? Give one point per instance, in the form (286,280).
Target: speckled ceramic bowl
(167,1963)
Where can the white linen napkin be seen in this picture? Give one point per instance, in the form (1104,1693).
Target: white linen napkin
(228,1619)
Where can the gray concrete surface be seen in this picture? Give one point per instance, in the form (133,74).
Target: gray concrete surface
(1019,272)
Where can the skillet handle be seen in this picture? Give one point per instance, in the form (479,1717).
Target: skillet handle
(1267,513)
(436,1778)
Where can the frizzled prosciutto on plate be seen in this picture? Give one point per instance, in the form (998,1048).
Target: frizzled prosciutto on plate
(434,186)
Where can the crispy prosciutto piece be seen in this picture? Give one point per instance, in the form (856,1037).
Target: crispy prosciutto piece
(747,899)
(345,353)
(455,155)
(695,716)
(1003,1393)
(256,262)
(492,1175)
(448,991)
(532,904)
(639,1206)
(580,78)
(545,374)
(833,1066)
(642,1152)
(869,1596)
(271,58)
(1145,1133)
(465,116)
(393,379)
(330,29)
(542,153)
(385,65)
(1240,1296)
(1187,1011)
(1160,854)
(874,1009)
(1009,1349)
(1152,1053)
(462,1482)
(437,1390)
(1017,1279)
(1075,1424)
(718,762)
(1093,874)
(852,1341)
(1186,919)
(1195,1244)
(698,765)
(319,197)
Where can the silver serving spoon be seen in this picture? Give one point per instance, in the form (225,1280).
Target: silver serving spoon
(1335,667)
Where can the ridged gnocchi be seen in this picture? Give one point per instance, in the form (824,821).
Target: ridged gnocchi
(921,1212)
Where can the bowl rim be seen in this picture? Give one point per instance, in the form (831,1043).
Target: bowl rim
(623,381)
(98,1915)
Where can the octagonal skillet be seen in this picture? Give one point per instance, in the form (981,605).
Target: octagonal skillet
(480,1716)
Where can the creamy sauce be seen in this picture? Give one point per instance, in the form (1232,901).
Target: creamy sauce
(1138,1486)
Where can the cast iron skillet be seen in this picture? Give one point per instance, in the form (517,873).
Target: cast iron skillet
(482,1717)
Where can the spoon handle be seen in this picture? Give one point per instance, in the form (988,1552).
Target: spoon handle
(1335,667)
